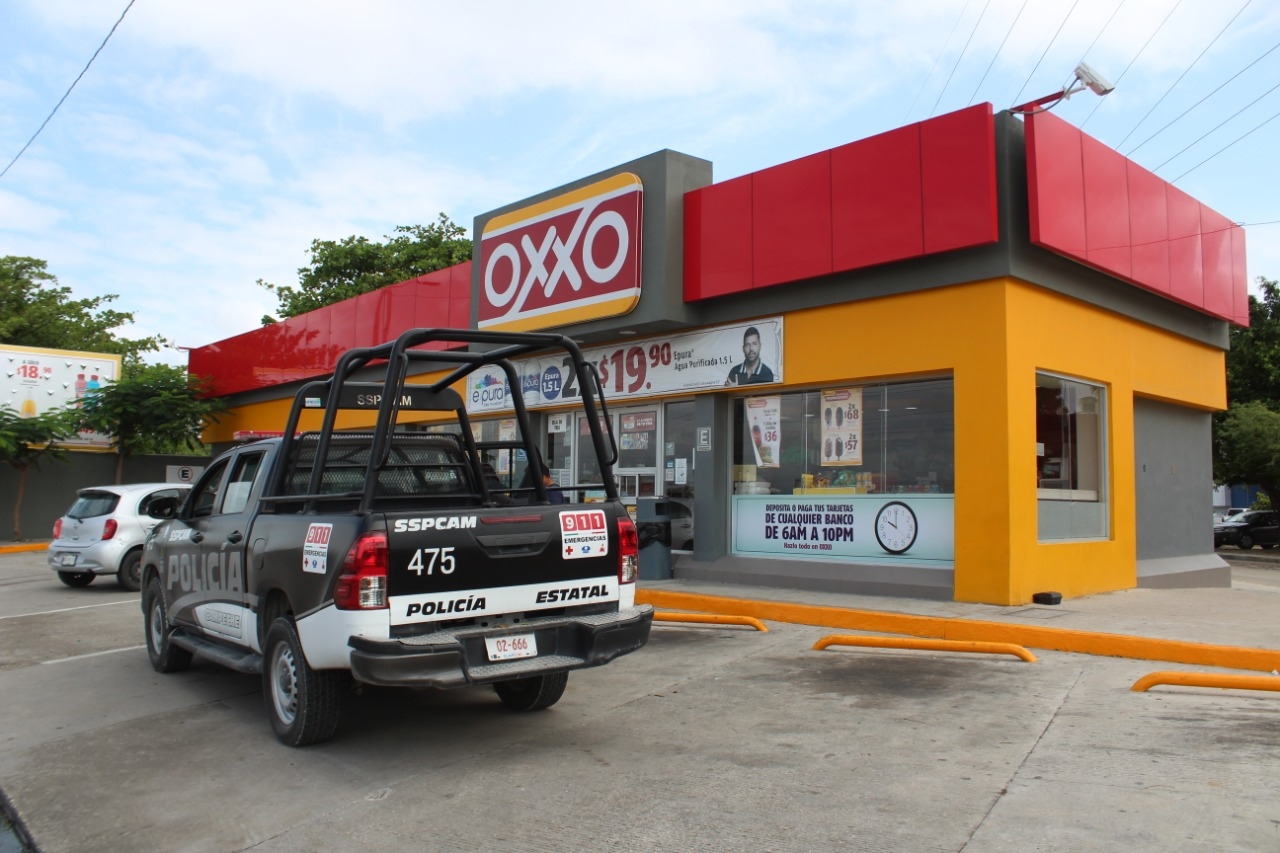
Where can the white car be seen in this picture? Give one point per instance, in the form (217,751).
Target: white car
(103,533)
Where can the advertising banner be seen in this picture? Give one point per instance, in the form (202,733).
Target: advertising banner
(841,426)
(764,417)
(914,527)
(39,380)
(727,356)
(565,260)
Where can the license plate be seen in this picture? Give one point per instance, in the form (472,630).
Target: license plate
(514,646)
(68,559)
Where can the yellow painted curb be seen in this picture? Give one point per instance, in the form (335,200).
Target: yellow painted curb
(928,645)
(711,619)
(19,547)
(1226,681)
(1052,639)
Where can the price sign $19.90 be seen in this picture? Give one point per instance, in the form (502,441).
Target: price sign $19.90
(626,369)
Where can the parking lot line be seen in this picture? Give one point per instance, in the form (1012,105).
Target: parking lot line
(132,601)
(93,654)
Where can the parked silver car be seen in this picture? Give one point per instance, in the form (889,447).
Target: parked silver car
(103,532)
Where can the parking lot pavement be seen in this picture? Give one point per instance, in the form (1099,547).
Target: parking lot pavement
(710,738)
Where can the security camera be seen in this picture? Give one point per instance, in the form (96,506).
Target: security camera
(1098,84)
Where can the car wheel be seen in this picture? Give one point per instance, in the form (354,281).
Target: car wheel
(76,579)
(130,575)
(532,694)
(1246,542)
(303,703)
(165,656)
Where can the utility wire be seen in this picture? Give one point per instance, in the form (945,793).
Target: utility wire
(1135,59)
(73,85)
(1218,125)
(1046,50)
(935,61)
(963,50)
(1129,153)
(1184,73)
(999,50)
(1224,148)
(1115,12)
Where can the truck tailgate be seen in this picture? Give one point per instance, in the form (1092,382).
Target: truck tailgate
(462,564)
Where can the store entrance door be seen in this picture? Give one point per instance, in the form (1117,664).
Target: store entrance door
(638,434)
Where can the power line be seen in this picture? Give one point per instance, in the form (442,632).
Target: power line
(963,50)
(68,92)
(1218,125)
(1184,73)
(1198,103)
(1224,148)
(1046,50)
(1135,59)
(999,50)
(936,59)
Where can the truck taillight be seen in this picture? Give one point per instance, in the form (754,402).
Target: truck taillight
(363,582)
(628,551)
(109,529)
(57,529)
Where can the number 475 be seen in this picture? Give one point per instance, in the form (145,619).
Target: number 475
(425,559)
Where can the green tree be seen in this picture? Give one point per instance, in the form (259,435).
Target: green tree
(152,408)
(1253,362)
(24,441)
(1247,448)
(351,266)
(36,312)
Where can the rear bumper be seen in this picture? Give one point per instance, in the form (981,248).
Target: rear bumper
(455,660)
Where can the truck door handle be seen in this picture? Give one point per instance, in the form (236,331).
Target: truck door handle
(197,536)
(234,537)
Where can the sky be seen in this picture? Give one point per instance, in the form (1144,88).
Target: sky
(208,144)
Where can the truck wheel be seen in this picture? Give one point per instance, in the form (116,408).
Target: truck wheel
(302,703)
(130,575)
(1246,541)
(165,656)
(532,694)
(76,579)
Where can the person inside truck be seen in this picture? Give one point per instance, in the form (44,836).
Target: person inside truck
(554,493)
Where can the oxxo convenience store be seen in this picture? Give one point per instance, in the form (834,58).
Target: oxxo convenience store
(972,358)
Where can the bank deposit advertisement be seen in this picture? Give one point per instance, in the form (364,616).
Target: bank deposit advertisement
(42,380)
(840,526)
(646,367)
(568,259)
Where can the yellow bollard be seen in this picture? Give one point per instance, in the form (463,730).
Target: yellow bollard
(711,619)
(976,646)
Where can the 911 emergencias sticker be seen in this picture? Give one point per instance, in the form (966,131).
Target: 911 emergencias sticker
(315,548)
(583,534)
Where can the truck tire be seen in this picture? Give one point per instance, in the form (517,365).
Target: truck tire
(303,703)
(130,575)
(76,579)
(532,694)
(165,656)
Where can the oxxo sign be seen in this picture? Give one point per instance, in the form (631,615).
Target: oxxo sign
(565,260)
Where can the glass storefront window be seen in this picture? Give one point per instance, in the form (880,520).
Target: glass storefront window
(890,438)
(1070,458)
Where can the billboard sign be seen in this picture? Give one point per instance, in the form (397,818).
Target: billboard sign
(39,380)
(569,259)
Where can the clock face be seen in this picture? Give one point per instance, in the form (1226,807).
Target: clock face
(896,527)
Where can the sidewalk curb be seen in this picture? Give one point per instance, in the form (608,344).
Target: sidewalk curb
(1050,639)
(19,547)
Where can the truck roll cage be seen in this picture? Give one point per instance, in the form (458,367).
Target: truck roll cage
(393,393)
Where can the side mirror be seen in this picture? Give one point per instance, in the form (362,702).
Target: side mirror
(163,507)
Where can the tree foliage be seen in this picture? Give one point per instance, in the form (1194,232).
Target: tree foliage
(1247,448)
(1246,437)
(341,269)
(37,312)
(24,441)
(151,409)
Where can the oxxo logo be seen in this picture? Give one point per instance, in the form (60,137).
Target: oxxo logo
(571,258)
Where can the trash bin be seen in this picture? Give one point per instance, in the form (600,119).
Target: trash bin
(653,525)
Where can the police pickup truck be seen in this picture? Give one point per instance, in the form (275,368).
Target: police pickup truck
(396,557)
